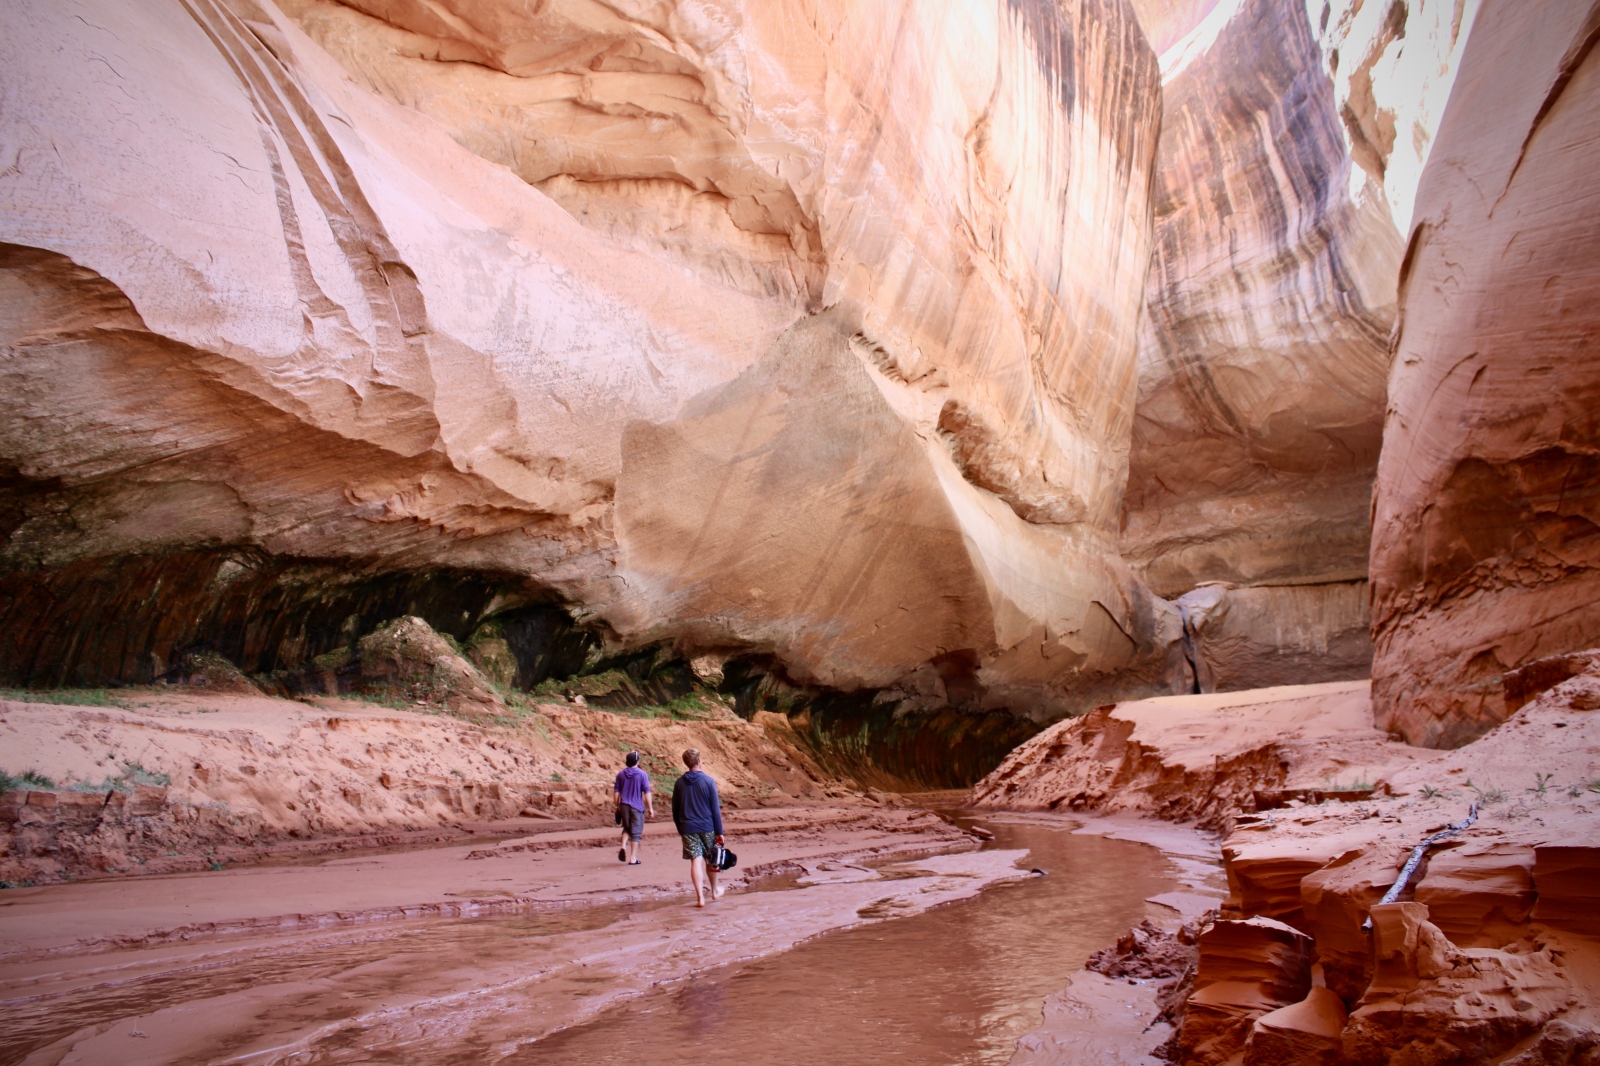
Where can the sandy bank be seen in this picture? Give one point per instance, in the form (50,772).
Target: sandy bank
(266,963)
(177,781)
(1487,954)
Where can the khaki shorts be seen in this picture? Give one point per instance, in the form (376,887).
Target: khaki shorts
(696,845)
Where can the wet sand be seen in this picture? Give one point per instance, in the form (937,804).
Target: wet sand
(562,865)
(378,939)
(312,964)
(957,984)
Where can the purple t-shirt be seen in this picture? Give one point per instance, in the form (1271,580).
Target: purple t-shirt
(633,783)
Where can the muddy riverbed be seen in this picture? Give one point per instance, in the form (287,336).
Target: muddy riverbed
(956,984)
(936,959)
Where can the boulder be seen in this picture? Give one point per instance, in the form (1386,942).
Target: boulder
(405,659)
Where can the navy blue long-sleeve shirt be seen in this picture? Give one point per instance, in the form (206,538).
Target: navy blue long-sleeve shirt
(696,808)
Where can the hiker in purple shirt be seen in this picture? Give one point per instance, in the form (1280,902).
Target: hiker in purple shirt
(632,797)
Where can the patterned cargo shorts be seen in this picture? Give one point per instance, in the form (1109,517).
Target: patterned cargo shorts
(697,844)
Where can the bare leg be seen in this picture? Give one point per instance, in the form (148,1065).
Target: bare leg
(633,850)
(697,873)
(716,893)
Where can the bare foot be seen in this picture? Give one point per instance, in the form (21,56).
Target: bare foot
(720,890)
(699,903)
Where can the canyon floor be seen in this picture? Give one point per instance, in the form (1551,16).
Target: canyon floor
(211,876)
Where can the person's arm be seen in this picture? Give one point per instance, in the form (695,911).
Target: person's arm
(649,798)
(679,795)
(716,807)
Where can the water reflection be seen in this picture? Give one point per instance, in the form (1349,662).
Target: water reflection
(957,984)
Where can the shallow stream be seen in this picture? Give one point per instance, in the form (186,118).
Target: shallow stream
(955,984)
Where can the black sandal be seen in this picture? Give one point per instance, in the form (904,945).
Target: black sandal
(622,854)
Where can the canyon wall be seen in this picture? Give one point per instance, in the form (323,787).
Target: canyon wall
(1292,141)
(1485,552)
(806,330)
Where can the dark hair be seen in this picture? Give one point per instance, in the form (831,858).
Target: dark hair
(691,758)
(633,758)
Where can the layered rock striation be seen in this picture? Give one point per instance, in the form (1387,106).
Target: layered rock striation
(1484,547)
(806,331)
(1485,954)
(1292,142)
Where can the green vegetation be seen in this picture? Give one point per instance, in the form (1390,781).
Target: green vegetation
(389,698)
(1541,784)
(25,780)
(692,707)
(76,697)
(334,660)
(588,685)
(132,775)
(1359,784)
(1488,795)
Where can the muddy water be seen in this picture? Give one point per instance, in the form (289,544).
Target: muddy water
(957,984)
(134,987)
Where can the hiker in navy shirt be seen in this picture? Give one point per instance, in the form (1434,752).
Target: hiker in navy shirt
(632,797)
(697,812)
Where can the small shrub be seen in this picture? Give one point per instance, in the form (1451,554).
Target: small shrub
(1487,795)
(1541,784)
(28,779)
(75,697)
(133,774)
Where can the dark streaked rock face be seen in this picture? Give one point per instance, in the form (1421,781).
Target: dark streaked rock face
(1270,300)
(1292,141)
(1486,547)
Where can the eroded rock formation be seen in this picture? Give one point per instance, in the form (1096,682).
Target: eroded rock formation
(1485,954)
(801,329)
(1201,758)
(1485,549)
(1292,141)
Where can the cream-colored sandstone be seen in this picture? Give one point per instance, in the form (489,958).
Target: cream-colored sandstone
(803,329)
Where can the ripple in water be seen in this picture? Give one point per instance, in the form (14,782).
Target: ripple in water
(957,984)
